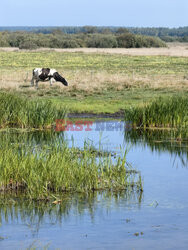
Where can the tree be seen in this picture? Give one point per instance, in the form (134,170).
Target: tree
(90,29)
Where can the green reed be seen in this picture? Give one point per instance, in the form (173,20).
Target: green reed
(163,112)
(23,113)
(42,170)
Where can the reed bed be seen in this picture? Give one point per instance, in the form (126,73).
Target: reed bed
(169,112)
(20,112)
(42,170)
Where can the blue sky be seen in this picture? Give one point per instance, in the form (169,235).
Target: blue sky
(150,13)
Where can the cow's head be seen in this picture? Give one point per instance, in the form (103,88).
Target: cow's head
(59,78)
(64,82)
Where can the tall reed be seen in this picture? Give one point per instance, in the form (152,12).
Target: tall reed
(163,112)
(21,112)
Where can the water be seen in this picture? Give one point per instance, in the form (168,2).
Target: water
(156,218)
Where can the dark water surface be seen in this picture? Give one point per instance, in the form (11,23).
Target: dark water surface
(156,218)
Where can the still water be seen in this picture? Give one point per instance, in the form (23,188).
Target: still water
(156,218)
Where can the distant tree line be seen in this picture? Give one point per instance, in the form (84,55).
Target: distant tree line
(149,31)
(166,34)
(88,36)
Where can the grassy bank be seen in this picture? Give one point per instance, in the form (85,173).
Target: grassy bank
(20,112)
(163,112)
(50,169)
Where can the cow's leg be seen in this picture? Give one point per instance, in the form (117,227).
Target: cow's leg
(32,81)
(51,81)
(37,84)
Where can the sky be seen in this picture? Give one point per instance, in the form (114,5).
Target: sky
(128,13)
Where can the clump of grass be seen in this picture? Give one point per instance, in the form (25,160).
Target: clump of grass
(51,169)
(23,113)
(169,112)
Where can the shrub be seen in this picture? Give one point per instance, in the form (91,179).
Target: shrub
(102,41)
(28,44)
(126,40)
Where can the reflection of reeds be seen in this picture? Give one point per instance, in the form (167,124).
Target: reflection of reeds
(163,112)
(161,140)
(42,170)
(16,207)
(24,113)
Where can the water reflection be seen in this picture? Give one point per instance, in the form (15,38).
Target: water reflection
(32,137)
(109,219)
(34,214)
(169,141)
(160,141)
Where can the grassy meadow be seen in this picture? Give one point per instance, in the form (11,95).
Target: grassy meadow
(99,82)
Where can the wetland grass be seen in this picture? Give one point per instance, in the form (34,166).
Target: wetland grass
(42,170)
(20,112)
(169,112)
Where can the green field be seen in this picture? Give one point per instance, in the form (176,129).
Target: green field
(99,83)
(82,61)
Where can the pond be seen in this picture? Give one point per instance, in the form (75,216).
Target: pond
(156,218)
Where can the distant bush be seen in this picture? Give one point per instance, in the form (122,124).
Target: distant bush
(3,40)
(28,44)
(102,41)
(128,40)
(154,42)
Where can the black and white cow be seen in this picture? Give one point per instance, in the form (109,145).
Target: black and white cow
(46,74)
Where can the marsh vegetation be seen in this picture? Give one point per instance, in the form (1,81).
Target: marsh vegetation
(163,112)
(20,112)
(52,168)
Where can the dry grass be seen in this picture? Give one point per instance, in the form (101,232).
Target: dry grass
(92,82)
(96,75)
(172,49)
